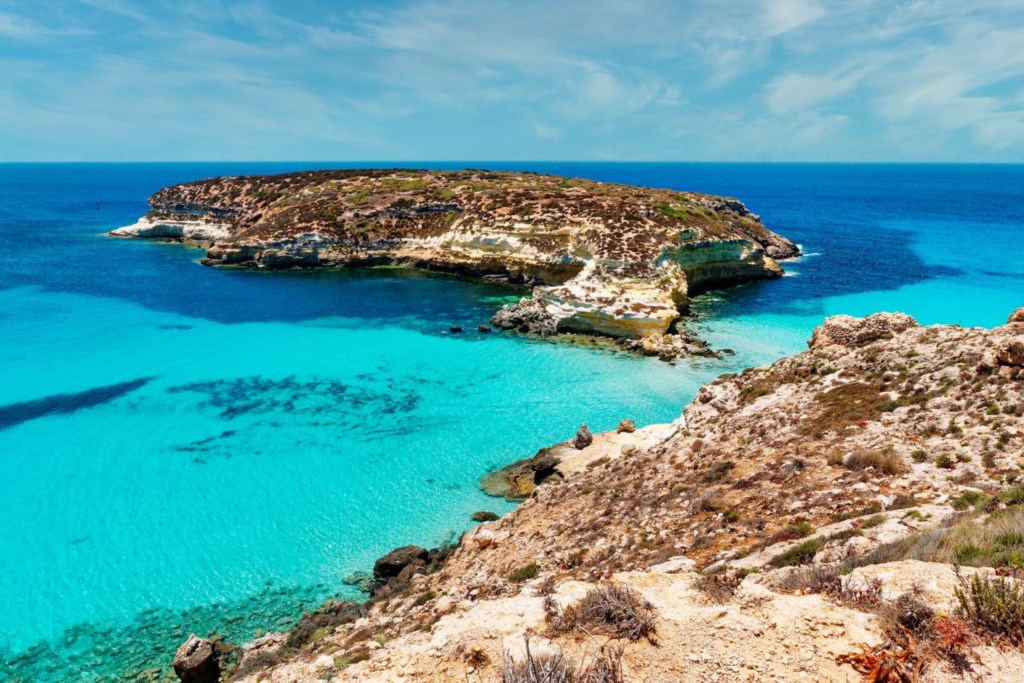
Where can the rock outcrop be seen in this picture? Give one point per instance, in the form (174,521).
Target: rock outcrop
(196,661)
(602,258)
(846,330)
(794,517)
(399,560)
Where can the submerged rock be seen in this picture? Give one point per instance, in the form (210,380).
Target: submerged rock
(196,661)
(484,516)
(583,438)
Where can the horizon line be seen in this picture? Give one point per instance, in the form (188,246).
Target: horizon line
(511,161)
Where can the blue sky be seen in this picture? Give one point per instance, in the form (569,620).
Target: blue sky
(806,80)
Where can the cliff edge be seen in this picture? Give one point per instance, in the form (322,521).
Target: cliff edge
(602,258)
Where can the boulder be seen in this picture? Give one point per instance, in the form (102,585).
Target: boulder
(1012,354)
(528,316)
(518,480)
(845,330)
(392,565)
(196,661)
(483,329)
(484,516)
(262,647)
(1017,316)
(627,426)
(583,438)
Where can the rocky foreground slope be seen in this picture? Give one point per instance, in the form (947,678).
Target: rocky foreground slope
(851,513)
(604,258)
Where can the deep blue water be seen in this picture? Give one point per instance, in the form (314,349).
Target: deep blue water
(189,449)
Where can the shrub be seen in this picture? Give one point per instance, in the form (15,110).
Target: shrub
(964,541)
(911,613)
(918,455)
(800,554)
(885,461)
(969,499)
(792,531)
(524,573)
(555,667)
(994,605)
(945,462)
(1013,496)
(614,609)
(315,625)
(872,521)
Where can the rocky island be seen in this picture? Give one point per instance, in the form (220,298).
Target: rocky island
(602,258)
(852,513)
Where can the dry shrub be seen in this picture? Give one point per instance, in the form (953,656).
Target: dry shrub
(886,461)
(821,579)
(614,609)
(719,587)
(998,541)
(909,612)
(895,661)
(555,667)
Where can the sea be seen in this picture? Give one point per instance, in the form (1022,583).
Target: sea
(194,450)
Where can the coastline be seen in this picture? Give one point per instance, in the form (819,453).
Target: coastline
(451,617)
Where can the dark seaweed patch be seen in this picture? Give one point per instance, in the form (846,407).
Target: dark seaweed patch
(334,401)
(64,404)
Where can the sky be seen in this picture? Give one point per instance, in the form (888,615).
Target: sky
(660,80)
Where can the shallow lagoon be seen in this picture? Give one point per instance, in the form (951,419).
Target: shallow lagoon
(188,449)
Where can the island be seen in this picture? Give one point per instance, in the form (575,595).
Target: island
(602,259)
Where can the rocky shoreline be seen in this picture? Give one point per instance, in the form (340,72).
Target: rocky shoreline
(603,259)
(857,505)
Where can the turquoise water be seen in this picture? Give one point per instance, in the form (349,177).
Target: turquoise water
(188,449)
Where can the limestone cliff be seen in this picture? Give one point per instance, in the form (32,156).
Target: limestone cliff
(603,258)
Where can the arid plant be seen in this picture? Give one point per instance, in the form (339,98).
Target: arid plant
(524,573)
(613,609)
(910,612)
(895,661)
(800,554)
(993,605)
(885,461)
(556,667)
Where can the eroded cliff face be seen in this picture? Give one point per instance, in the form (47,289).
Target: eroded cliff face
(603,258)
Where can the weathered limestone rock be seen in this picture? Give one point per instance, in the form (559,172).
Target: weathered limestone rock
(583,438)
(484,516)
(391,565)
(1017,316)
(528,316)
(196,661)
(627,426)
(518,480)
(1012,354)
(846,330)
